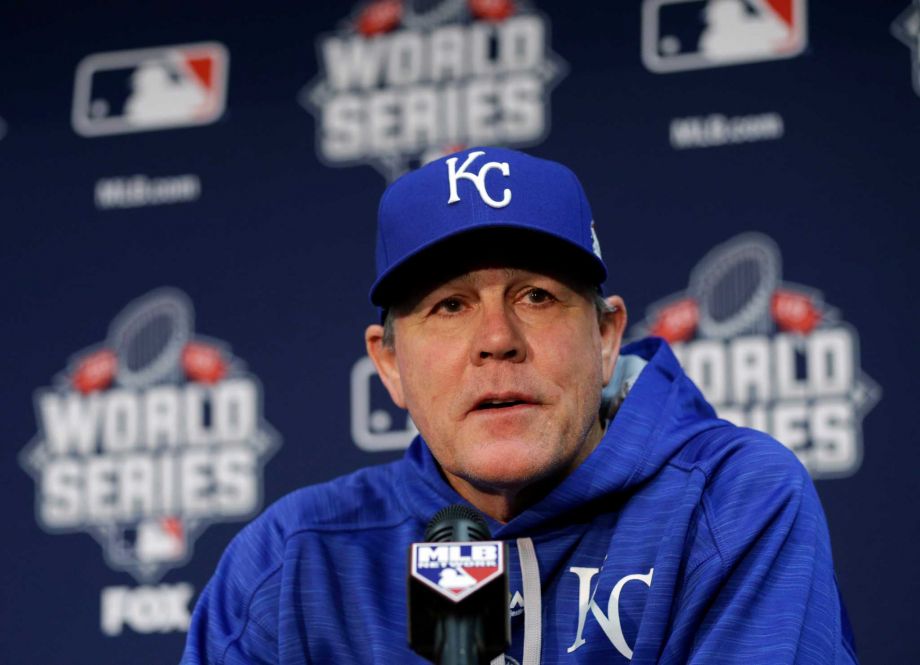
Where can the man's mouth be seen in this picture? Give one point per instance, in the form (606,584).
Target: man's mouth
(499,405)
(503,402)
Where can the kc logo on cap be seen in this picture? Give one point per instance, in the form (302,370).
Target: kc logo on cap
(479,180)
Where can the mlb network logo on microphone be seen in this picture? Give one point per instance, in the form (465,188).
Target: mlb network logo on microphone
(149,89)
(679,35)
(457,570)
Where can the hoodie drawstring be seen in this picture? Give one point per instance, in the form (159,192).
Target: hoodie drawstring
(533,612)
(533,606)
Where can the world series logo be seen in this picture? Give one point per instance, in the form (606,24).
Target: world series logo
(770,354)
(403,82)
(149,437)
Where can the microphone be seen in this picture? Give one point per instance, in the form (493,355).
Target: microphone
(458,591)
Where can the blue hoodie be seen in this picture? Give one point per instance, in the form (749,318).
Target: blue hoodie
(680,539)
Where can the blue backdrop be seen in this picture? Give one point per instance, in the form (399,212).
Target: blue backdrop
(188,196)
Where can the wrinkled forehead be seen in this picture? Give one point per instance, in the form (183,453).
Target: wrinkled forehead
(513,250)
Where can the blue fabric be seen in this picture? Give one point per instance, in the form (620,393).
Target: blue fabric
(417,211)
(724,520)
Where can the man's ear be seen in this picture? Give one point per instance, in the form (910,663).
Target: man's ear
(612,327)
(384,358)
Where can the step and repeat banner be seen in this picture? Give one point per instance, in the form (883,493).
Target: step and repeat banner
(188,198)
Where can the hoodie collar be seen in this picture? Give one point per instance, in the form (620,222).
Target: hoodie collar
(660,412)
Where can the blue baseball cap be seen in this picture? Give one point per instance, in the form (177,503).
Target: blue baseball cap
(478,189)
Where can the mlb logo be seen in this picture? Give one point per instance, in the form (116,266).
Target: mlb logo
(149,89)
(376,423)
(906,28)
(160,540)
(457,570)
(679,35)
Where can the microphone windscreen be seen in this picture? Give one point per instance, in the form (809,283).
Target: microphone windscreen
(457,523)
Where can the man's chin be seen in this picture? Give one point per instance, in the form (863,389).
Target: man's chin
(508,468)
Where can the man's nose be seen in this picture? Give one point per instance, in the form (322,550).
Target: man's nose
(498,336)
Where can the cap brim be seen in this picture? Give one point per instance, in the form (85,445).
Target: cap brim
(408,271)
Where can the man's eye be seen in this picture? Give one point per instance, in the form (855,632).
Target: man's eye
(538,296)
(449,305)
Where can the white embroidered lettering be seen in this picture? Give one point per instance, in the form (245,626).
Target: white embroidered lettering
(609,623)
(479,179)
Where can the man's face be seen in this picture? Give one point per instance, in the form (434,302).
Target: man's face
(502,369)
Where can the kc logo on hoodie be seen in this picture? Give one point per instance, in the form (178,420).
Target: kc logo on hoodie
(609,622)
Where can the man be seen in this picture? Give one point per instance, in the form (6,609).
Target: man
(662,535)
